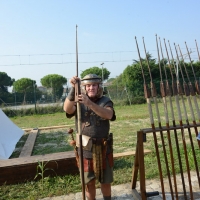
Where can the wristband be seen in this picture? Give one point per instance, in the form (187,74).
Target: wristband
(71,94)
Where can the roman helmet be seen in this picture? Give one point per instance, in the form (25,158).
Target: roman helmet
(91,79)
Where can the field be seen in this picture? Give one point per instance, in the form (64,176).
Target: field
(130,119)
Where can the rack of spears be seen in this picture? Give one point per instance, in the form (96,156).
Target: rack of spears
(178,137)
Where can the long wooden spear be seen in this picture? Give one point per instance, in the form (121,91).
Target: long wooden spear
(163,94)
(169,94)
(187,121)
(77,92)
(192,115)
(175,93)
(197,50)
(196,83)
(147,96)
(191,90)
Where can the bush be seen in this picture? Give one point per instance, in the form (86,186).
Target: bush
(31,111)
(123,102)
(126,102)
(138,100)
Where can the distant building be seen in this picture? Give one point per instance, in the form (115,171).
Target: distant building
(42,89)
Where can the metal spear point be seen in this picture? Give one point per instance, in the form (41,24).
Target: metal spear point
(175,93)
(147,96)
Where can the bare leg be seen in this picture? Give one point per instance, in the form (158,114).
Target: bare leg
(106,190)
(91,190)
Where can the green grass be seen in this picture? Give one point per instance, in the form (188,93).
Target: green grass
(130,119)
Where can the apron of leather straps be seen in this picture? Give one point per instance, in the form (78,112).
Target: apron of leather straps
(98,161)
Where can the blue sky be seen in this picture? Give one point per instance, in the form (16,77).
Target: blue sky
(37,37)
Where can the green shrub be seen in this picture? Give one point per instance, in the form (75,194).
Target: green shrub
(41,110)
(138,100)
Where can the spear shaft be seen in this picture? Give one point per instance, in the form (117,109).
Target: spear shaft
(147,96)
(197,86)
(187,121)
(154,95)
(77,89)
(163,94)
(175,92)
(197,50)
(169,94)
(193,117)
(192,93)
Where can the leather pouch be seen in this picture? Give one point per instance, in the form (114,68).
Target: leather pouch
(86,142)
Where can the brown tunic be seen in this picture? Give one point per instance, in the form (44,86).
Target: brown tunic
(93,125)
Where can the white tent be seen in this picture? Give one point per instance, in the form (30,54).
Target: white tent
(10,134)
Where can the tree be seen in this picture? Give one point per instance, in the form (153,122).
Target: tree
(5,81)
(149,58)
(132,79)
(98,71)
(132,76)
(23,85)
(55,82)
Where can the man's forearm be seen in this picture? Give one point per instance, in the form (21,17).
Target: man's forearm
(68,106)
(105,113)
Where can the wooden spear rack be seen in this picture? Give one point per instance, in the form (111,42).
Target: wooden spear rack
(139,166)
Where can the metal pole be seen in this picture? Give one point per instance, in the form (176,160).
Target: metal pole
(15,99)
(34,97)
(102,75)
(51,92)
